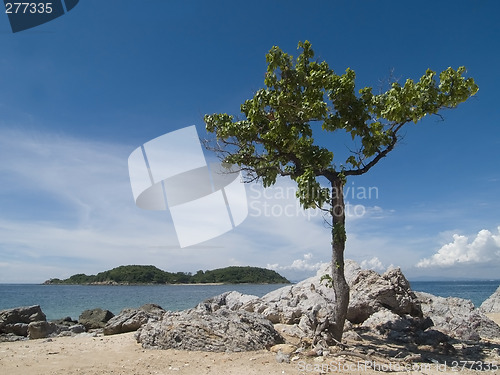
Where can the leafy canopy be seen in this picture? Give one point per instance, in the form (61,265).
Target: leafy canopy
(275,137)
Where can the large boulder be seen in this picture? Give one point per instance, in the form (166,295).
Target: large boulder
(204,329)
(311,301)
(231,300)
(95,318)
(17,329)
(399,328)
(492,304)
(130,320)
(16,320)
(311,297)
(310,304)
(43,329)
(371,292)
(457,317)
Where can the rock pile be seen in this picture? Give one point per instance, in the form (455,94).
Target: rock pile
(130,320)
(16,321)
(309,304)
(30,322)
(205,328)
(371,293)
(458,318)
(382,307)
(95,318)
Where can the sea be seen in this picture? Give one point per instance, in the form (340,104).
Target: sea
(60,301)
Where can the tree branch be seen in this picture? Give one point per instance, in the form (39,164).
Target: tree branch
(380,155)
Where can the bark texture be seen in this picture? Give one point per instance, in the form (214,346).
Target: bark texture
(340,286)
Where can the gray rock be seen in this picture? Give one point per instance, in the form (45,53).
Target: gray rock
(153,309)
(282,358)
(492,304)
(65,330)
(22,315)
(351,336)
(10,337)
(431,337)
(395,327)
(95,318)
(43,329)
(231,300)
(309,305)
(77,328)
(65,321)
(130,320)
(371,292)
(203,329)
(16,320)
(310,297)
(18,329)
(458,318)
(292,330)
(313,299)
(385,320)
(383,305)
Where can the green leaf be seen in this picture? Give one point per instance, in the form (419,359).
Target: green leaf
(275,136)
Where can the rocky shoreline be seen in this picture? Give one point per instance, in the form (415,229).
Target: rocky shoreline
(385,319)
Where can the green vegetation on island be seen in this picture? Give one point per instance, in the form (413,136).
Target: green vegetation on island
(136,274)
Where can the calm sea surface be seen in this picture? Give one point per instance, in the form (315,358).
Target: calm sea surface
(59,301)
(476,291)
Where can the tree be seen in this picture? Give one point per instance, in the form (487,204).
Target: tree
(275,137)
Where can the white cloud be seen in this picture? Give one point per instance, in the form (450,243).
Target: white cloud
(483,249)
(304,264)
(84,218)
(67,207)
(373,264)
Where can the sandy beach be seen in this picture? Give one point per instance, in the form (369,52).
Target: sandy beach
(495,317)
(120,354)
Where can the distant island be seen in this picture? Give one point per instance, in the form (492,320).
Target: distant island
(136,274)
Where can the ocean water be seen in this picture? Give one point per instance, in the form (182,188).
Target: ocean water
(476,291)
(59,301)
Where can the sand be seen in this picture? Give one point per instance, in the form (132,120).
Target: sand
(495,317)
(120,354)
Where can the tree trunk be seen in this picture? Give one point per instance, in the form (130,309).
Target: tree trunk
(340,287)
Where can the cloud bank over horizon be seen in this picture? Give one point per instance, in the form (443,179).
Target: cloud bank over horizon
(67,208)
(484,248)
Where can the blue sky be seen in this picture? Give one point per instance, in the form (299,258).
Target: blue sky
(80,93)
